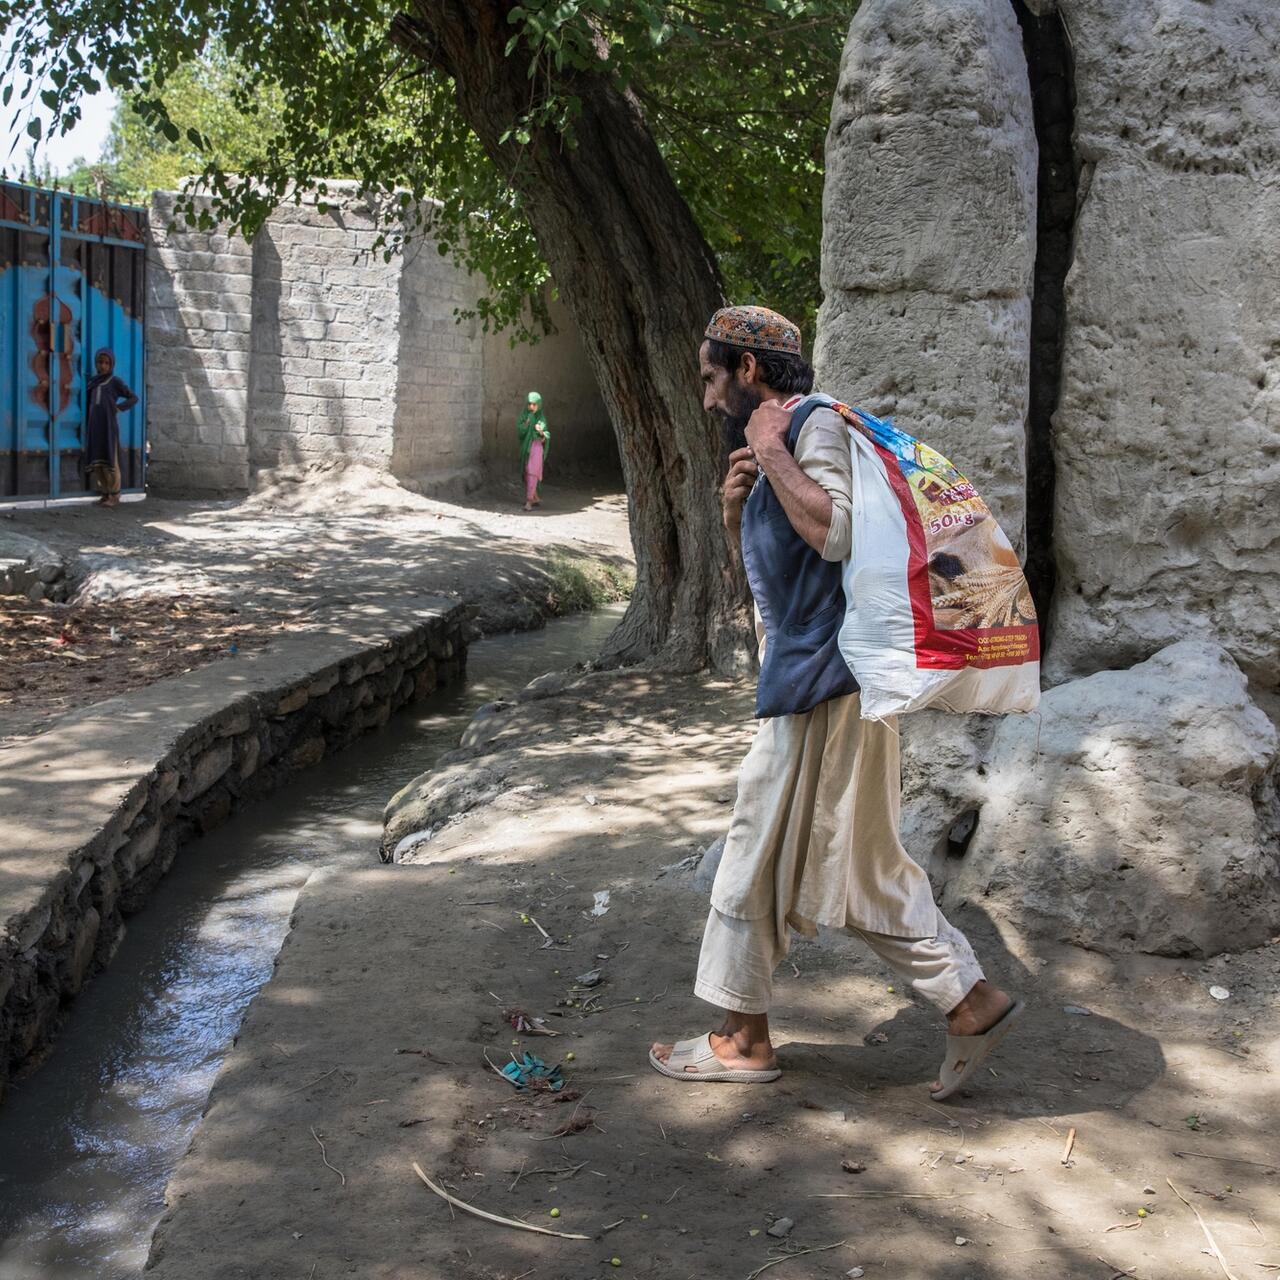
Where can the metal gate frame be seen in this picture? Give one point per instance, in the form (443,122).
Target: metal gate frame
(72,279)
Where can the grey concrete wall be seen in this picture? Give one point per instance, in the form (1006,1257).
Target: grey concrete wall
(582,439)
(199,302)
(326,342)
(440,395)
(307,348)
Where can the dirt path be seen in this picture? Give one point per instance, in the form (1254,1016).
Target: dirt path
(175,585)
(390,1001)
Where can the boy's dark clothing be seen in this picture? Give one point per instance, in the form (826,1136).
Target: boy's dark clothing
(107,397)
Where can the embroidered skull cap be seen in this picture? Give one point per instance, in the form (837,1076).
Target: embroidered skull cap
(755,329)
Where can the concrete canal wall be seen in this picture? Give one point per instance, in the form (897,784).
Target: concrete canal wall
(97,808)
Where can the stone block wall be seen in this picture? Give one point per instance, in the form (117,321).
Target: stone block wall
(306,348)
(441,392)
(246,749)
(326,346)
(199,317)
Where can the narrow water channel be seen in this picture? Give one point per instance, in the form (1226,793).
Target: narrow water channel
(87,1144)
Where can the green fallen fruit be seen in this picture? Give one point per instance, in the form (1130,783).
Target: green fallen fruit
(555,1213)
(615,1262)
(569,1057)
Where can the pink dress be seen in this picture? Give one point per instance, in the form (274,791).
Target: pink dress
(533,471)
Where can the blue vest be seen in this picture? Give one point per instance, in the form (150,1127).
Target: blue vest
(800,598)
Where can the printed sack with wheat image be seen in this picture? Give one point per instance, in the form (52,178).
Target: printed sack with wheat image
(938,612)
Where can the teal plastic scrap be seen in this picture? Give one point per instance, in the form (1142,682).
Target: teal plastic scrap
(531,1071)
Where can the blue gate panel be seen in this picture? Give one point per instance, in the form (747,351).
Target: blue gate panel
(72,280)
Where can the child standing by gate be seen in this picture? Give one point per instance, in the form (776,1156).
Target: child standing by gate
(106,398)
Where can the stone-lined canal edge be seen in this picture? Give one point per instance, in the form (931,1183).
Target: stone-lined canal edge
(95,810)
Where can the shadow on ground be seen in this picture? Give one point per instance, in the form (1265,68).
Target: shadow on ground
(379,1034)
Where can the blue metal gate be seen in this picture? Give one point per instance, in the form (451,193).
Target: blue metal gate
(72,280)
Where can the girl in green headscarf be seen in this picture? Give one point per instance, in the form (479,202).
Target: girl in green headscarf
(535,444)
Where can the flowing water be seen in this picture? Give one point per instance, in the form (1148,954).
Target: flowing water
(88,1142)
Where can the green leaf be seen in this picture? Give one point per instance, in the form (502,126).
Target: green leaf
(318,91)
(35,129)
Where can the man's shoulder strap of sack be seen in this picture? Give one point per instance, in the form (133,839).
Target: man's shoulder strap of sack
(801,412)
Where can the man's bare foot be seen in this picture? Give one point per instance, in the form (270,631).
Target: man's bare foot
(741,1044)
(979,1011)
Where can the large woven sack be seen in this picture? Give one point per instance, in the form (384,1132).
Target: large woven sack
(938,612)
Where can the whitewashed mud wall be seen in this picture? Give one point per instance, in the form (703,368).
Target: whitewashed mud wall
(929,233)
(1052,242)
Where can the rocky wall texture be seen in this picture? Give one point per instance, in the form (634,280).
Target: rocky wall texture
(1167,433)
(30,568)
(1131,153)
(929,234)
(61,924)
(1148,383)
(1136,812)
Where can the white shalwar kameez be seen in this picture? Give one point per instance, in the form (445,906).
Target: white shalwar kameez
(814,836)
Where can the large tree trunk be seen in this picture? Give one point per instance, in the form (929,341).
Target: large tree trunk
(640,282)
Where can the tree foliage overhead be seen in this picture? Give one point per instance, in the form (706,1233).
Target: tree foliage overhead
(261,97)
(204,97)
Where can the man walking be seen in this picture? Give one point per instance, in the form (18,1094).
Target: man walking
(814,835)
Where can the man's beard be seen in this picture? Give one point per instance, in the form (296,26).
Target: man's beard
(733,420)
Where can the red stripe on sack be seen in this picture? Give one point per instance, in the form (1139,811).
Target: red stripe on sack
(949,650)
(917,557)
(954,650)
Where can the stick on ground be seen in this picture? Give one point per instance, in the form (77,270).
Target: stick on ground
(1204,1155)
(492,1217)
(1208,1235)
(309,1083)
(325,1158)
(893,1195)
(799,1253)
